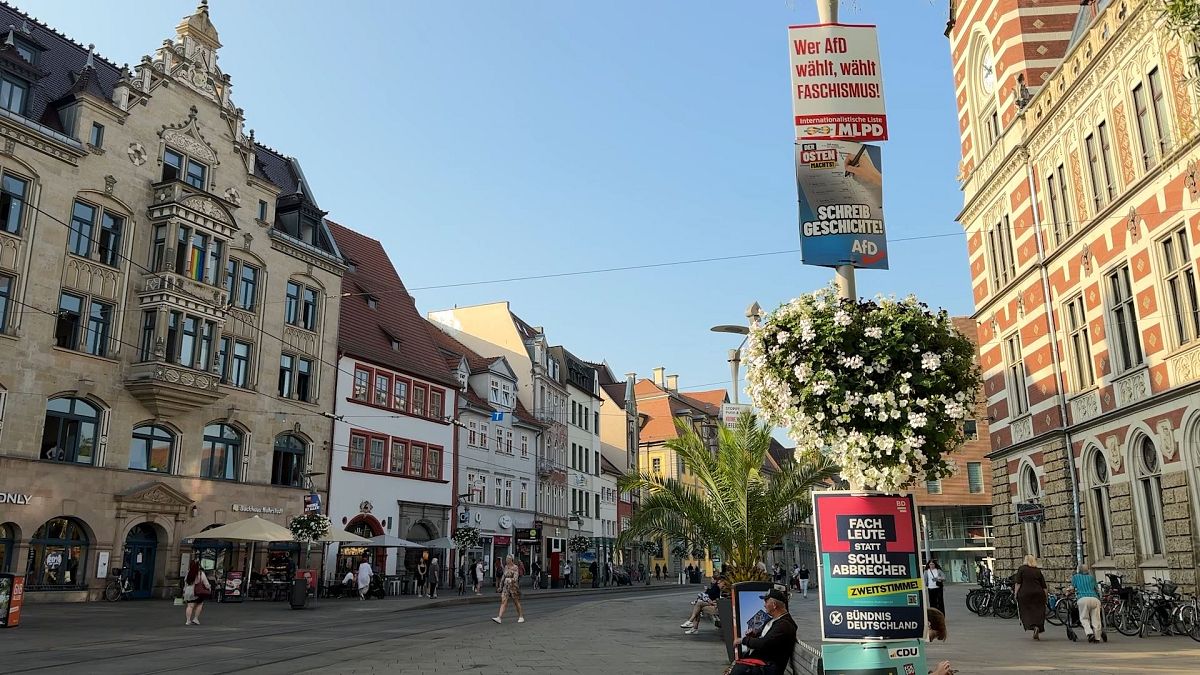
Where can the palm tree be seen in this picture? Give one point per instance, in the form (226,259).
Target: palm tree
(740,508)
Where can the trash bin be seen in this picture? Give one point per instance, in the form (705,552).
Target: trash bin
(12,595)
(298,596)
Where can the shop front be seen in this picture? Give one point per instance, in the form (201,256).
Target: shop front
(69,531)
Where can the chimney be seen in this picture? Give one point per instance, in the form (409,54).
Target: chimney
(658,375)
(673,383)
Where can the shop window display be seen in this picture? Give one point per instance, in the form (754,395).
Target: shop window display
(57,556)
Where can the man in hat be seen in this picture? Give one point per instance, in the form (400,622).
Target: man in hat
(776,641)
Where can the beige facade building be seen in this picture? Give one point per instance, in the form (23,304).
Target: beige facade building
(1082,208)
(168,315)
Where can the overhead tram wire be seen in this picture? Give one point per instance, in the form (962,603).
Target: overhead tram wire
(677,263)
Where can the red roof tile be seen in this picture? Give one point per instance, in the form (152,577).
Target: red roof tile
(367,333)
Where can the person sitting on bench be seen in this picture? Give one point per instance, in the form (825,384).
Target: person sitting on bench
(706,603)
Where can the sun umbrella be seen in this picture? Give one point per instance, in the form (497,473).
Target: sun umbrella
(250,529)
(444,542)
(388,541)
(334,534)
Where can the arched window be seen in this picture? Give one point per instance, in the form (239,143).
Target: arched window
(222,452)
(57,556)
(8,543)
(70,432)
(1031,490)
(151,449)
(287,464)
(1148,496)
(1101,530)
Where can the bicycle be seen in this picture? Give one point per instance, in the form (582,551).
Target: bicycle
(118,586)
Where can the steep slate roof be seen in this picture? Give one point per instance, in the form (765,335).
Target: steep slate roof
(61,61)
(616,392)
(779,452)
(364,332)
(608,467)
(276,168)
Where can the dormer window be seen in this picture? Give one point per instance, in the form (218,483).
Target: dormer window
(372,302)
(13,93)
(177,166)
(25,51)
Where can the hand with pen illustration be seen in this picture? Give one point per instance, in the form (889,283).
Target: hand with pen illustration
(863,169)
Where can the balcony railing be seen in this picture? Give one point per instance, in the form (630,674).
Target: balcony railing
(168,389)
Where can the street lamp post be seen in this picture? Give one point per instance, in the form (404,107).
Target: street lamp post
(735,355)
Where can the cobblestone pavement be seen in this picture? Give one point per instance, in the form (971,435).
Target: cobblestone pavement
(611,632)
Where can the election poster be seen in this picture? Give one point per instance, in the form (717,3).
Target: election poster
(870,567)
(884,658)
(840,187)
(837,84)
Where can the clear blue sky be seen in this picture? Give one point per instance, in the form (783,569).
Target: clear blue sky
(482,140)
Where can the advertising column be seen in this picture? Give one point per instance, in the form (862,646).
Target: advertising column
(870,566)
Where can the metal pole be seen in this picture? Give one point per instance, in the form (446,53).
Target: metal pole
(735,360)
(827,12)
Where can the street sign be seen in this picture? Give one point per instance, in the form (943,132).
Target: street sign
(497,417)
(837,84)
(840,187)
(1030,512)
(894,658)
(730,412)
(870,566)
(529,534)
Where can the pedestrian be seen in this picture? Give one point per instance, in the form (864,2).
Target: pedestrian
(479,577)
(934,582)
(196,590)
(422,572)
(1031,596)
(641,572)
(567,573)
(364,578)
(657,572)
(464,566)
(796,576)
(536,567)
(433,577)
(510,589)
(804,580)
(1087,598)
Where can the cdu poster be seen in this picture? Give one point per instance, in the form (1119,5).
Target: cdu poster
(883,658)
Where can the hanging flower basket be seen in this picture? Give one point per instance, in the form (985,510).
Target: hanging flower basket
(652,549)
(310,527)
(881,386)
(466,538)
(579,544)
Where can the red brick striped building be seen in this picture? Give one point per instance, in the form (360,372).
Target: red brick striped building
(1082,215)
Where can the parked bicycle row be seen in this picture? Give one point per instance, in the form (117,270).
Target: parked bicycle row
(1156,608)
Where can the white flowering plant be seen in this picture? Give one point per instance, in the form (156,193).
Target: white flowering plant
(881,386)
(310,527)
(579,544)
(466,538)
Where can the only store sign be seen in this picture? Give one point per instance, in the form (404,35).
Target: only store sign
(870,567)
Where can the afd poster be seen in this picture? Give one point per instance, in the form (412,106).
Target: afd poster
(870,567)
(840,187)
(885,658)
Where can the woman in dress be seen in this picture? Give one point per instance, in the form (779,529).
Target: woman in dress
(196,590)
(1031,597)
(510,589)
(422,570)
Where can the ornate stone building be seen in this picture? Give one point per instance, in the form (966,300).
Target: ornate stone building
(168,314)
(1079,173)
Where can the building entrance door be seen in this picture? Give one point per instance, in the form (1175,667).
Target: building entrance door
(140,546)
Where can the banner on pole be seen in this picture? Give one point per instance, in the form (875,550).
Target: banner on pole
(870,567)
(840,187)
(837,84)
